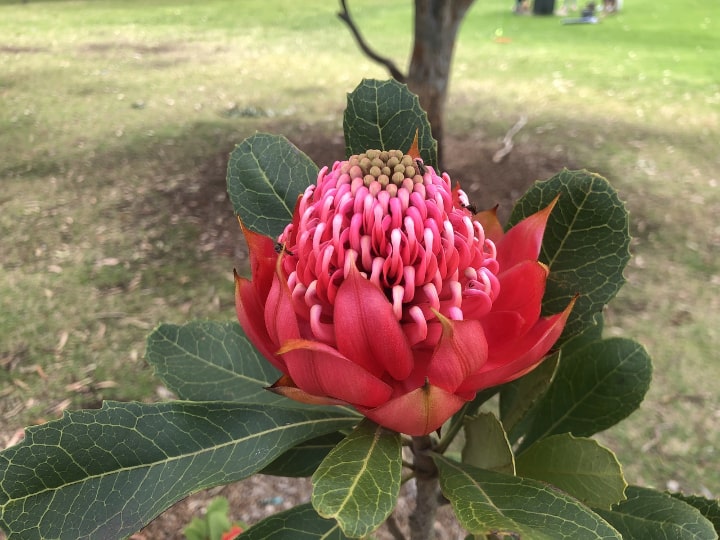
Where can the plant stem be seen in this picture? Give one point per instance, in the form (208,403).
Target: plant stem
(452,430)
(394,529)
(422,520)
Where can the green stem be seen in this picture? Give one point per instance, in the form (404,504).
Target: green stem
(422,520)
(471,407)
(452,430)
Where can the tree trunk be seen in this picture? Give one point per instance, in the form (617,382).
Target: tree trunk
(436,26)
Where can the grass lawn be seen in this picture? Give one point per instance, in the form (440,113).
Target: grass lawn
(116,118)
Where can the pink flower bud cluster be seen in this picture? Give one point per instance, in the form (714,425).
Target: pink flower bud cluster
(390,296)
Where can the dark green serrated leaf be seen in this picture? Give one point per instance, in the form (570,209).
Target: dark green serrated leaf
(384,115)
(580,467)
(304,459)
(649,514)
(486,445)
(211,361)
(266,174)
(710,509)
(586,243)
(106,473)
(487,502)
(359,481)
(299,523)
(594,388)
(518,397)
(590,334)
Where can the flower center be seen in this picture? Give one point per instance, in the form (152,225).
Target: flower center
(404,229)
(384,170)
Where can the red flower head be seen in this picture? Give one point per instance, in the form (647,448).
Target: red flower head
(389,296)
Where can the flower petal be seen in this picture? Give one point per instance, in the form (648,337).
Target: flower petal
(366,329)
(502,327)
(490,224)
(263,258)
(518,305)
(232,534)
(523,241)
(518,357)
(249,310)
(416,413)
(461,351)
(522,286)
(286,387)
(280,318)
(321,370)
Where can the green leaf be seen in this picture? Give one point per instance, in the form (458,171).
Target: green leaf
(580,467)
(299,523)
(211,361)
(266,174)
(650,514)
(196,530)
(519,397)
(106,473)
(486,445)
(359,481)
(710,509)
(487,502)
(473,406)
(590,334)
(594,388)
(303,459)
(384,115)
(217,513)
(586,243)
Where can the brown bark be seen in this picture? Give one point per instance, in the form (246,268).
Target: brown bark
(436,26)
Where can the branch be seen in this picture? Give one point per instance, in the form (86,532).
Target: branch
(507,140)
(394,529)
(344,16)
(422,517)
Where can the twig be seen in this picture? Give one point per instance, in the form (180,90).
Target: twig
(507,140)
(394,529)
(452,430)
(657,437)
(344,16)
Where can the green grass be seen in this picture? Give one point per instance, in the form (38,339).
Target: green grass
(112,113)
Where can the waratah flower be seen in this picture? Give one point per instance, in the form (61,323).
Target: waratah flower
(386,294)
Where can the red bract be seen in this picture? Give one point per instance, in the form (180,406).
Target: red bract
(389,296)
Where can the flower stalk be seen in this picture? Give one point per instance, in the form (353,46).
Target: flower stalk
(422,520)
